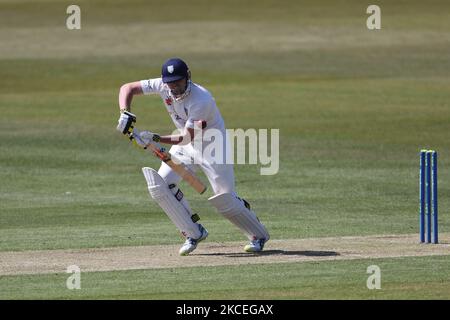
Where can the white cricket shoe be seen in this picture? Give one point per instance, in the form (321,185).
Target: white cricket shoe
(191,244)
(256,245)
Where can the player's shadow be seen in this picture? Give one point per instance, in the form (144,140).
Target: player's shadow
(304,253)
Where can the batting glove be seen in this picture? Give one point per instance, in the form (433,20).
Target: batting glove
(144,138)
(125,122)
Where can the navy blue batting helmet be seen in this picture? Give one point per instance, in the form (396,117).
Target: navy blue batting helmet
(174,69)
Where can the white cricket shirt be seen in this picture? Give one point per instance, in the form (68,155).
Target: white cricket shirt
(198,105)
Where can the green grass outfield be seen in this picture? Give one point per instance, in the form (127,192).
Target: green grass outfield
(353,107)
(412,278)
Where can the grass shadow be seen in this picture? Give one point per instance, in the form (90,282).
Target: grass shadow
(306,253)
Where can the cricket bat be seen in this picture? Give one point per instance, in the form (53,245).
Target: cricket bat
(176,166)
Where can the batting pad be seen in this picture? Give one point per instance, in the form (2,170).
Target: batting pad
(180,197)
(178,214)
(233,208)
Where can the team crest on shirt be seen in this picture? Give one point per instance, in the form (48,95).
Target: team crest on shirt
(168,101)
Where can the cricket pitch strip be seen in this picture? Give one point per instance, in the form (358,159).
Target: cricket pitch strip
(220,254)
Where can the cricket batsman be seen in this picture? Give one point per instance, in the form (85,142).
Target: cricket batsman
(188,104)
